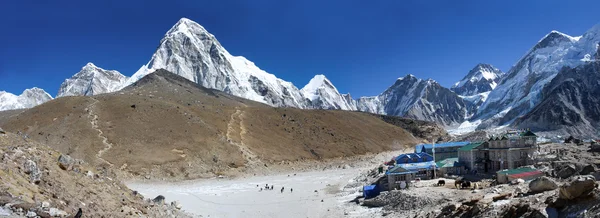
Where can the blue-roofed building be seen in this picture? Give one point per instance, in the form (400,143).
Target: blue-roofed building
(442,150)
(409,167)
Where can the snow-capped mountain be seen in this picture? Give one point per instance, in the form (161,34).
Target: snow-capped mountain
(482,78)
(190,51)
(521,89)
(92,80)
(420,99)
(477,84)
(321,94)
(570,104)
(28,99)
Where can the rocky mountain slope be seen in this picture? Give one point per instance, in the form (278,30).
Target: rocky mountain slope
(190,51)
(29,98)
(478,83)
(418,99)
(569,104)
(166,126)
(38,181)
(482,78)
(520,91)
(321,94)
(92,80)
(484,99)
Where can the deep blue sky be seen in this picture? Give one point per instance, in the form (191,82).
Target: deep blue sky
(361,46)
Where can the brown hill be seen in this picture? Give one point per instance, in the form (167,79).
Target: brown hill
(166,126)
(34,181)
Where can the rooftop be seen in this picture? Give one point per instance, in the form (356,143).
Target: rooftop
(448,162)
(470,146)
(443,145)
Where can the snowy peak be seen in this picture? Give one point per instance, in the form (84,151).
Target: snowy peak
(92,80)
(420,99)
(318,82)
(521,89)
(322,94)
(482,78)
(191,52)
(554,38)
(28,99)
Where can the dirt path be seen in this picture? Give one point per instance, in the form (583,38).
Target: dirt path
(235,135)
(94,121)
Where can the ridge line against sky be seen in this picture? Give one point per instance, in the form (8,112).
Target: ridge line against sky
(361,47)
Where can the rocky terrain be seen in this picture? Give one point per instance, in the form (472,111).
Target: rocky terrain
(430,131)
(165,126)
(573,96)
(38,181)
(569,189)
(485,99)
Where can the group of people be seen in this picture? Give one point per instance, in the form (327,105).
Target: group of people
(267,187)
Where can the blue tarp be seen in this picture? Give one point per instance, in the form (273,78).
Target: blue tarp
(370,191)
(422,147)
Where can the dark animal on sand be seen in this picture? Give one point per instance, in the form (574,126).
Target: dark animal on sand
(79,213)
(441,182)
(466,184)
(457,184)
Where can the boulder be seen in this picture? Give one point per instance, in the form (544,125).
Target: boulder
(176,204)
(159,199)
(542,184)
(587,170)
(30,214)
(65,162)
(55,212)
(579,186)
(566,171)
(31,168)
(2,131)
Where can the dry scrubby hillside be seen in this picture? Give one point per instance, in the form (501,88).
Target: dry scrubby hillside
(34,182)
(166,126)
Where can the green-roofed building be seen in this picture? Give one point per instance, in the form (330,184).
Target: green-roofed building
(450,166)
(469,154)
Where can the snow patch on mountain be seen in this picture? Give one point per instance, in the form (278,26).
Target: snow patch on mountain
(482,78)
(190,51)
(521,88)
(28,99)
(92,80)
(322,94)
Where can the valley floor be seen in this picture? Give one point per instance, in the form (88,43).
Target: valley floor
(315,194)
(335,183)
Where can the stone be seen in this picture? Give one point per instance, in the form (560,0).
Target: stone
(587,170)
(159,199)
(45,204)
(176,204)
(89,173)
(31,168)
(2,131)
(31,214)
(566,171)
(542,184)
(65,162)
(55,212)
(579,186)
